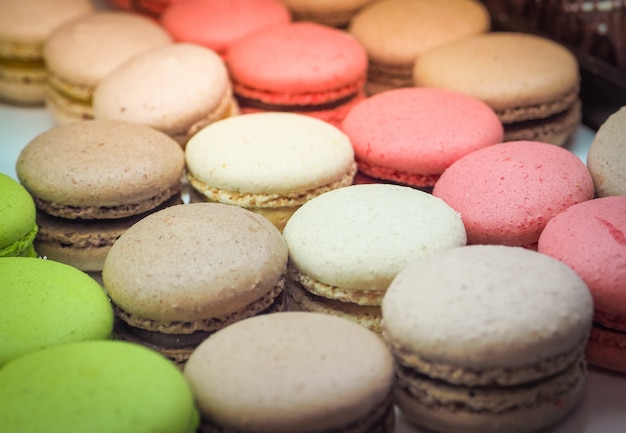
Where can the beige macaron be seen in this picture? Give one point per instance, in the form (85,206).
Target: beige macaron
(606,159)
(293,372)
(24,26)
(270,163)
(531,82)
(186,271)
(346,246)
(82,52)
(334,13)
(487,338)
(397,32)
(177,89)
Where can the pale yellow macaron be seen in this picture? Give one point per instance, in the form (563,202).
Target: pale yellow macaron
(269,163)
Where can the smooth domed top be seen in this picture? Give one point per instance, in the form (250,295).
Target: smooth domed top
(17,211)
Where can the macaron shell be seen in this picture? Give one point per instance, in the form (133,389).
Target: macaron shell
(335,13)
(45,303)
(17,213)
(606,158)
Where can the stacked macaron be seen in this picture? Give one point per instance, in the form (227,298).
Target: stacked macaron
(335,13)
(17,213)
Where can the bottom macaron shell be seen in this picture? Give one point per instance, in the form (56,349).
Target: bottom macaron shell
(607,349)
(22,84)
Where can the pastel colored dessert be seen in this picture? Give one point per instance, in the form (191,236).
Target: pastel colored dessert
(177,89)
(216,24)
(186,271)
(606,158)
(412,135)
(299,67)
(79,54)
(531,82)
(515,364)
(18,216)
(91,180)
(347,245)
(293,372)
(395,33)
(507,193)
(96,386)
(45,303)
(590,238)
(334,13)
(24,26)
(269,163)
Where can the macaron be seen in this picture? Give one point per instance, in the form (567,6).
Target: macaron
(487,338)
(80,53)
(300,67)
(590,238)
(397,32)
(347,245)
(184,272)
(411,135)
(530,81)
(177,89)
(293,372)
(24,26)
(507,193)
(216,24)
(96,386)
(334,13)
(268,163)
(44,303)
(18,216)
(606,158)
(91,180)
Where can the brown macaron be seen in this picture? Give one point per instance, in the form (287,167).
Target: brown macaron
(184,272)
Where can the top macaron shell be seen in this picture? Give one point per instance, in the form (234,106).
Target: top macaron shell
(216,24)
(17,213)
(269,153)
(419,131)
(297,63)
(506,193)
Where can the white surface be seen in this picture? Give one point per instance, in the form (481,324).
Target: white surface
(603,409)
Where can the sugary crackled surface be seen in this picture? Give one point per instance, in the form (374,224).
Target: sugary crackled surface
(85,50)
(194,261)
(17,211)
(606,158)
(360,236)
(397,31)
(269,153)
(44,303)
(100,386)
(100,163)
(590,237)
(287,372)
(506,193)
(298,58)
(169,88)
(421,131)
(506,70)
(487,306)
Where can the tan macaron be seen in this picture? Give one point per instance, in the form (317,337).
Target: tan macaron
(606,159)
(186,271)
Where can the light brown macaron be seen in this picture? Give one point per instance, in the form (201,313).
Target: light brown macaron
(606,159)
(24,26)
(531,82)
(184,272)
(397,32)
(178,89)
(90,180)
(80,53)
(334,13)
(293,372)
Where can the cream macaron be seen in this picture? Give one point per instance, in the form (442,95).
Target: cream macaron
(269,163)
(346,246)
(177,89)
(182,273)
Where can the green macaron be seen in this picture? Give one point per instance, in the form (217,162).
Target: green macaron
(96,387)
(17,213)
(45,303)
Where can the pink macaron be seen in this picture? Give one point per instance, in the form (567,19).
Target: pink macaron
(507,193)
(590,237)
(216,24)
(411,135)
(300,67)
